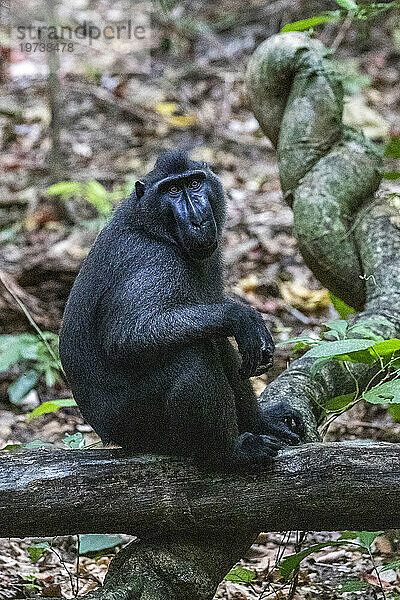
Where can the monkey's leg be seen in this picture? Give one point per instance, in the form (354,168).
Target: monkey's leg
(201,414)
(282,422)
(247,409)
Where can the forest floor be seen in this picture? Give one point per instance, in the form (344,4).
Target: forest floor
(112,127)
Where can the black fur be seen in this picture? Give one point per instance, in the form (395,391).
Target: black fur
(144,338)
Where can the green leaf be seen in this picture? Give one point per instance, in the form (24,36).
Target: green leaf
(9,358)
(11,347)
(347,4)
(339,402)
(51,376)
(339,326)
(355,585)
(367,538)
(367,332)
(348,535)
(11,447)
(298,342)
(97,195)
(362,356)
(240,575)
(51,406)
(384,393)
(394,410)
(29,445)
(385,348)
(36,551)
(35,444)
(31,351)
(391,175)
(393,565)
(291,563)
(341,307)
(338,348)
(305,24)
(392,148)
(66,189)
(75,441)
(22,386)
(95,542)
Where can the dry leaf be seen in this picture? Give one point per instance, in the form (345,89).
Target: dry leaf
(249,284)
(181,120)
(357,114)
(303,298)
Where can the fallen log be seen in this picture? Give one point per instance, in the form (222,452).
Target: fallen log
(344,485)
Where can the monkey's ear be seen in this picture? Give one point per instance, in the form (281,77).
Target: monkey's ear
(139,189)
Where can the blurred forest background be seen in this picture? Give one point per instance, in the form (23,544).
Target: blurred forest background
(77,128)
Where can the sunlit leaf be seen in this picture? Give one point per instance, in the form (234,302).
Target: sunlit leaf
(36,551)
(51,406)
(65,189)
(240,575)
(386,347)
(341,307)
(347,4)
(166,108)
(97,195)
(181,120)
(305,24)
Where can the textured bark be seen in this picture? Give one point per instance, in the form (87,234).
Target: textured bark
(315,486)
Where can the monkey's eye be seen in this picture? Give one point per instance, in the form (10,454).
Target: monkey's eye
(173,190)
(194,184)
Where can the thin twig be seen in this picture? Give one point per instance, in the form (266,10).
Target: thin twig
(78,552)
(34,325)
(342,31)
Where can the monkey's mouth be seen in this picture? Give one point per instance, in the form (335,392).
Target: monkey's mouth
(200,248)
(199,241)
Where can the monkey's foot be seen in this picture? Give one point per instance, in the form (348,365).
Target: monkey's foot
(255,449)
(283,422)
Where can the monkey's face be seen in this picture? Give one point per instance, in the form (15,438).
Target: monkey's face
(187,198)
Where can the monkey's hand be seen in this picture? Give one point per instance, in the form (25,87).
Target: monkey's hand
(255,343)
(283,422)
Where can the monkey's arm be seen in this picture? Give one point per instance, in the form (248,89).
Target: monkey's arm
(136,332)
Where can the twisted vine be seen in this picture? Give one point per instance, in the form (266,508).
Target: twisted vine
(348,235)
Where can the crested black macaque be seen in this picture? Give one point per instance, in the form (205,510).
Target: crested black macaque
(144,341)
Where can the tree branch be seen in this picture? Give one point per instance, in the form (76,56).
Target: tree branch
(314,487)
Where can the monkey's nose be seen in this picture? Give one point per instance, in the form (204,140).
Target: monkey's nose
(199,224)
